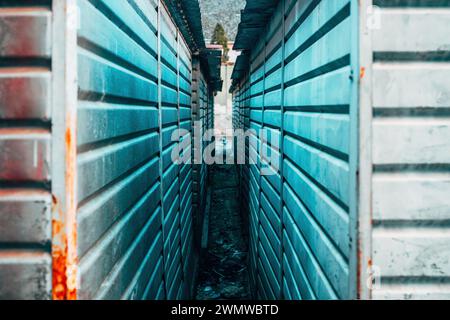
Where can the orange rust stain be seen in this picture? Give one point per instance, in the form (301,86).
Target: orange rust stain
(362,72)
(68,137)
(63,287)
(59,273)
(65,258)
(64,282)
(64,250)
(72,262)
(57,226)
(58,254)
(72,258)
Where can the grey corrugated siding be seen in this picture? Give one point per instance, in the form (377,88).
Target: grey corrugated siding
(25,152)
(410,183)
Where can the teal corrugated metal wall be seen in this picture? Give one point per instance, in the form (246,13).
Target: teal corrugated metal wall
(246,198)
(188,252)
(203,119)
(135,213)
(119,223)
(302,93)
(170,171)
(134,218)
(109,215)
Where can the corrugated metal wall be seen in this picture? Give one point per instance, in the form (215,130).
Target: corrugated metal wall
(319,168)
(91,205)
(405,99)
(391,241)
(202,117)
(169,170)
(247,201)
(119,213)
(188,247)
(25,155)
(88,185)
(303,96)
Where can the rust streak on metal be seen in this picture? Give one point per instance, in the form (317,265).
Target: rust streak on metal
(59,254)
(64,252)
(72,258)
(68,138)
(362,73)
(59,274)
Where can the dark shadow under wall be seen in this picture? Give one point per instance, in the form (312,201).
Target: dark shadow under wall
(223,271)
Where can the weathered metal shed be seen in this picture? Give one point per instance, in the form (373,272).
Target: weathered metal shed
(355,95)
(347,192)
(91,204)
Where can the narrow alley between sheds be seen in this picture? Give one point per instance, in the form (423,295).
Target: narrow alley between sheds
(223,271)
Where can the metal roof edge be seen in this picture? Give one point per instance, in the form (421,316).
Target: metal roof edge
(211,61)
(254,19)
(188,18)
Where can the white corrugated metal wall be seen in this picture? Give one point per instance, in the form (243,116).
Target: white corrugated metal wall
(405,148)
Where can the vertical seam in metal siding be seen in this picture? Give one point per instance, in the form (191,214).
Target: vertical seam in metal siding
(64,167)
(180,226)
(160,119)
(283,46)
(261,136)
(353,153)
(365,153)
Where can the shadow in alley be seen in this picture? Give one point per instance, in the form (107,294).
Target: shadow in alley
(223,271)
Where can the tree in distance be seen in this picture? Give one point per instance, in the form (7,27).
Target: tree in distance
(219,37)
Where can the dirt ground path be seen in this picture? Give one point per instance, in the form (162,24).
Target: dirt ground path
(223,270)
